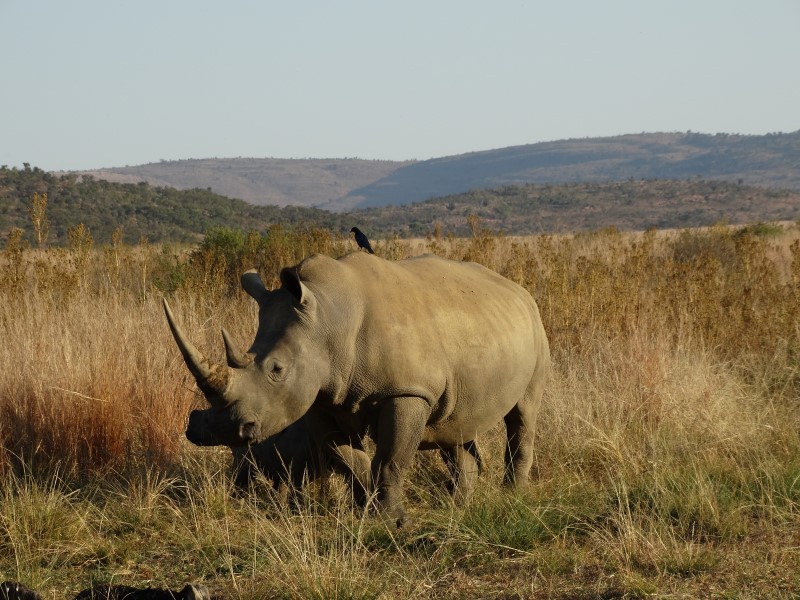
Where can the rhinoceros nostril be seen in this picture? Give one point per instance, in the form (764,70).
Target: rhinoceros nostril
(248,431)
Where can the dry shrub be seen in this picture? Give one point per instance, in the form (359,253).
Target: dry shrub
(635,404)
(84,386)
(90,382)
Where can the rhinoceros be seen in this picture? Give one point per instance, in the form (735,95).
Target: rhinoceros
(290,458)
(418,353)
(287,458)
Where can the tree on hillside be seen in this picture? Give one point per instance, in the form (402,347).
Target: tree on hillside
(38,213)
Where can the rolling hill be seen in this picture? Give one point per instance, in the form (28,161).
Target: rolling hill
(260,181)
(770,161)
(339,185)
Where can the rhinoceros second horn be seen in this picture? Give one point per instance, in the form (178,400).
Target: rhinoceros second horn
(235,357)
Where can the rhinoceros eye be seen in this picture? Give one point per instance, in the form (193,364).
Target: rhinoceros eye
(275,369)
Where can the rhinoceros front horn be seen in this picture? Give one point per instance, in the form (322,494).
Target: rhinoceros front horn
(212,379)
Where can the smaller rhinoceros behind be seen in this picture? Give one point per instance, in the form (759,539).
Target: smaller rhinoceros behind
(290,459)
(287,459)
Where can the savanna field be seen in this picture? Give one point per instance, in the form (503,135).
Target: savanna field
(667,461)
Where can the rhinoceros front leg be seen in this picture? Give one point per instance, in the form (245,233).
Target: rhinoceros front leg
(463,462)
(401,423)
(352,462)
(344,454)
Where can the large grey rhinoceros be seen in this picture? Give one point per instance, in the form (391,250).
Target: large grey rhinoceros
(416,354)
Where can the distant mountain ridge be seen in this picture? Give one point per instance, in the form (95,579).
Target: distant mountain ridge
(771,160)
(165,214)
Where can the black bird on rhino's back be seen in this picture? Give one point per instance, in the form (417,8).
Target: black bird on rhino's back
(362,240)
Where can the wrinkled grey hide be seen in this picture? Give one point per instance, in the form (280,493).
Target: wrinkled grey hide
(420,353)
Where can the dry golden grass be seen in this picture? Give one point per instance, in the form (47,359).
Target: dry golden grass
(668,456)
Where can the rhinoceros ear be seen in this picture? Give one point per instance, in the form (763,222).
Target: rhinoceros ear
(290,279)
(252,284)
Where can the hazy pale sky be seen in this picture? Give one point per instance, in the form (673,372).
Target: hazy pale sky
(102,83)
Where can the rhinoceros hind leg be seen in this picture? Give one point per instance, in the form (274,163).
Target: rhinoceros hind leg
(520,429)
(464,464)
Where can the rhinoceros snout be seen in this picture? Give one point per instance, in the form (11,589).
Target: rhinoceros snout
(198,431)
(204,430)
(248,432)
